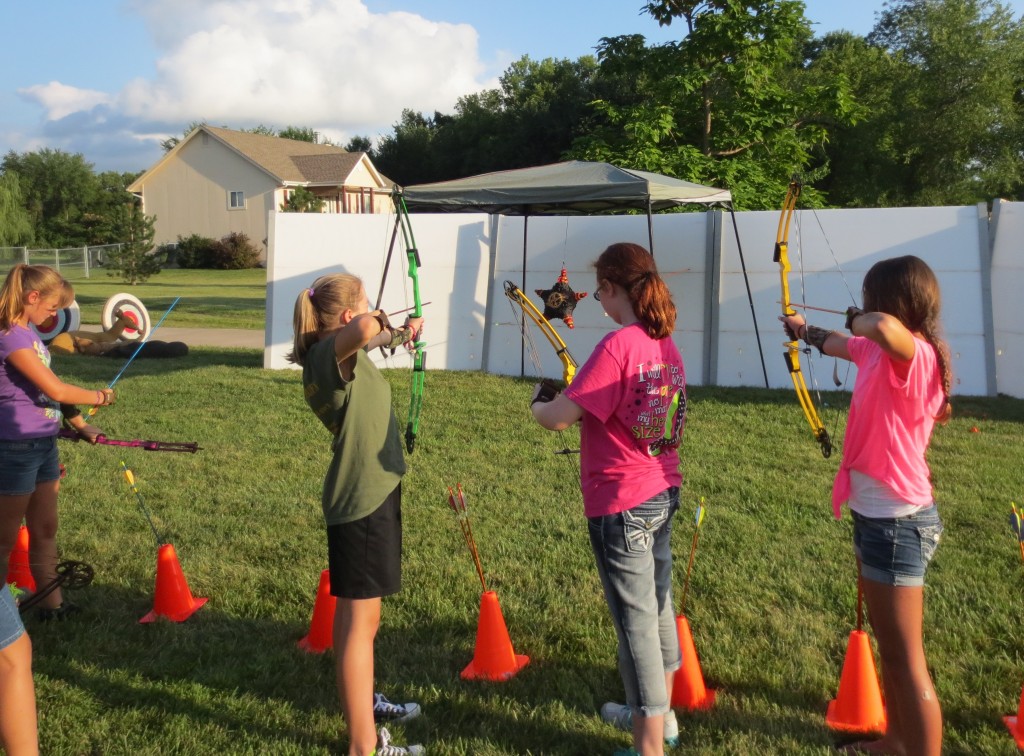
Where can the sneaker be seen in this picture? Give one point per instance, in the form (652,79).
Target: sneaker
(60,613)
(621,716)
(385,711)
(386,748)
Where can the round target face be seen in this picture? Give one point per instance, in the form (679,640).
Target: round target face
(67,319)
(133,310)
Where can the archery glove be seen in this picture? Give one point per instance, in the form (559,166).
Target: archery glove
(851,315)
(546,391)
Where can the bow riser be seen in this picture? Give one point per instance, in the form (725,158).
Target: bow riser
(792,356)
(569,365)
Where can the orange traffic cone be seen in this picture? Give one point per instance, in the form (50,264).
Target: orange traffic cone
(18,571)
(320,637)
(173,600)
(688,691)
(1015,724)
(493,658)
(858,706)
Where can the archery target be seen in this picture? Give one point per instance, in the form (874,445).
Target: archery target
(67,319)
(133,309)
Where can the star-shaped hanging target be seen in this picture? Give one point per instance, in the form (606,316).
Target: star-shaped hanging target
(560,300)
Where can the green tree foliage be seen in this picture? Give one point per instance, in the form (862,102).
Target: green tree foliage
(531,119)
(15,223)
(726,105)
(59,191)
(135,261)
(302,200)
(360,144)
(942,82)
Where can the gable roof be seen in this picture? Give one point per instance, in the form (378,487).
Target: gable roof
(287,161)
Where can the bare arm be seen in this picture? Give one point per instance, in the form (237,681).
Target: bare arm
(28,364)
(558,414)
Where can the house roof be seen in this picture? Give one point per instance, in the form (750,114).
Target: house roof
(288,161)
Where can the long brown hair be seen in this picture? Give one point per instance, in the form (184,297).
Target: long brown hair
(318,308)
(906,288)
(24,279)
(632,267)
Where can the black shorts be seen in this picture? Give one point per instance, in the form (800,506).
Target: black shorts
(365,555)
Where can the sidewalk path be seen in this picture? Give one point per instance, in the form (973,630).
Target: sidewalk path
(219,337)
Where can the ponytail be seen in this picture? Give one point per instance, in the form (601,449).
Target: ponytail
(318,308)
(21,281)
(632,267)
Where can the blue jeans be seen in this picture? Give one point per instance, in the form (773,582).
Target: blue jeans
(896,551)
(634,560)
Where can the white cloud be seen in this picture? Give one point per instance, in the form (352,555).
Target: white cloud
(60,100)
(330,65)
(327,64)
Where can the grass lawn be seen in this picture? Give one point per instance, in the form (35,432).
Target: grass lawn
(771,600)
(209,298)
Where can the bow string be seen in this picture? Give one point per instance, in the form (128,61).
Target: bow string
(403,222)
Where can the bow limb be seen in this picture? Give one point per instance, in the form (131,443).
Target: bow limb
(569,365)
(412,427)
(172,446)
(793,346)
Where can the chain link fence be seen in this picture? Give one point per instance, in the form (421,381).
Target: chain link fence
(74,263)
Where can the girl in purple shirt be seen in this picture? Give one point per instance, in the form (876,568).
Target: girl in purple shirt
(30,395)
(902,390)
(631,398)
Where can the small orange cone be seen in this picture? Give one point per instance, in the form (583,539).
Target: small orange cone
(320,637)
(1015,724)
(18,571)
(493,658)
(173,600)
(688,691)
(858,706)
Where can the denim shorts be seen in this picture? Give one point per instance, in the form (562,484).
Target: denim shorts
(24,464)
(896,551)
(10,621)
(633,551)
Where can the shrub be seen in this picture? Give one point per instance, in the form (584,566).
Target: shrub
(234,252)
(195,251)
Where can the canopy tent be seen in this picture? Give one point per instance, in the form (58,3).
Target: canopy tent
(572,188)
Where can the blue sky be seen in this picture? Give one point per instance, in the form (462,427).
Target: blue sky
(111,78)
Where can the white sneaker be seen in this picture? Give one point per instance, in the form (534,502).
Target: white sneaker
(621,716)
(385,711)
(386,748)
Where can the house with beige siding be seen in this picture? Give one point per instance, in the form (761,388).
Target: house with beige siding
(217,181)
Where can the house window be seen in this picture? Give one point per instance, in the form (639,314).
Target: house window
(236,200)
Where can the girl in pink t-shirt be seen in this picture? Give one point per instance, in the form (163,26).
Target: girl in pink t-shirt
(902,389)
(631,399)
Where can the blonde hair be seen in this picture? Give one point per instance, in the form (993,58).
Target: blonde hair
(21,281)
(318,308)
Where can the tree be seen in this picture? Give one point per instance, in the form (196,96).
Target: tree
(302,200)
(725,105)
(15,223)
(360,144)
(532,119)
(959,109)
(58,188)
(134,262)
(171,142)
